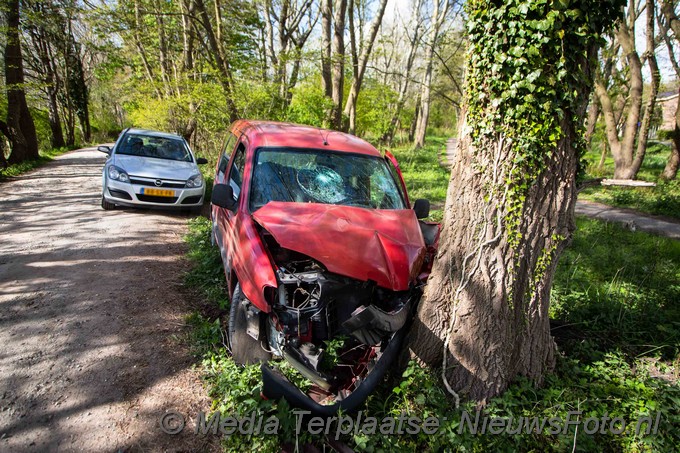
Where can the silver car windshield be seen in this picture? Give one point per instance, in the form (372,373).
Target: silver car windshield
(156,147)
(308,176)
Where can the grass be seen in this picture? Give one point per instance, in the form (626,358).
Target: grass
(423,175)
(664,199)
(28,165)
(617,324)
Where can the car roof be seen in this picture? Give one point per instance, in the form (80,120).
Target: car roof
(150,133)
(288,135)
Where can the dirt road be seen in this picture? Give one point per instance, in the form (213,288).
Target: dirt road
(91,316)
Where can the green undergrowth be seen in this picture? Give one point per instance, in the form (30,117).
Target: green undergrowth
(617,326)
(28,165)
(423,174)
(664,199)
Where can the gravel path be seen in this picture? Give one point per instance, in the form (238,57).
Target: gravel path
(633,220)
(91,315)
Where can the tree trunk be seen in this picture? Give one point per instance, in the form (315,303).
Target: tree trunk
(221,63)
(438,16)
(591,122)
(388,136)
(671,169)
(414,123)
(627,156)
(360,66)
(643,133)
(338,63)
(326,21)
(22,136)
(483,319)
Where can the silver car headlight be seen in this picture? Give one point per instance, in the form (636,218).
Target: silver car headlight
(195,181)
(118,174)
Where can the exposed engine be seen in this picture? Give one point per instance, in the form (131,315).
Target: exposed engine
(329,327)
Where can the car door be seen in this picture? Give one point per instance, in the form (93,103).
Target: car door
(220,174)
(225,219)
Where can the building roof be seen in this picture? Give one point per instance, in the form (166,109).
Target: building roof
(288,135)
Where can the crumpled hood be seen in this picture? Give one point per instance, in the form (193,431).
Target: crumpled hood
(151,167)
(366,244)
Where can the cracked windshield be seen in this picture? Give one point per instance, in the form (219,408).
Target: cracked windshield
(323,177)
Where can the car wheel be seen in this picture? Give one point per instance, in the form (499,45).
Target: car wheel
(107,206)
(244,348)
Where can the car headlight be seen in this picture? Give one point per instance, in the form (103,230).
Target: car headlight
(195,181)
(118,174)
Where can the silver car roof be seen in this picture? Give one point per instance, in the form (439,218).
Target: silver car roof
(151,133)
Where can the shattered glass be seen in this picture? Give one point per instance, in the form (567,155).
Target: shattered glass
(309,176)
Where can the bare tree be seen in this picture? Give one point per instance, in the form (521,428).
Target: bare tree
(414,26)
(338,62)
(440,10)
(627,156)
(289,23)
(671,21)
(326,25)
(359,61)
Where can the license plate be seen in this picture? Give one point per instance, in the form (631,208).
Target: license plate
(158,192)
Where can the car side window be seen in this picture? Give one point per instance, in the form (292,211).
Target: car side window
(225,155)
(237,168)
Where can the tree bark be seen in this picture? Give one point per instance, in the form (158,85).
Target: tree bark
(359,66)
(440,10)
(591,122)
(627,156)
(20,127)
(338,63)
(221,63)
(483,319)
(326,24)
(388,136)
(671,169)
(653,92)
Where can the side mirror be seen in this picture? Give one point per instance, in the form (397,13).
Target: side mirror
(223,196)
(422,208)
(104,149)
(201,161)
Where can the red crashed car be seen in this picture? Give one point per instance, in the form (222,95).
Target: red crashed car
(324,258)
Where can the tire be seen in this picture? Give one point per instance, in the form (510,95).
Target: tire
(107,206)
(244,348)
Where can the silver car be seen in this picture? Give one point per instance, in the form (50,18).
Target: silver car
(149,168)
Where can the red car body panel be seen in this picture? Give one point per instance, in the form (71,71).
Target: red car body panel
(285,135)
(385,246)
(389,156)
(253,265)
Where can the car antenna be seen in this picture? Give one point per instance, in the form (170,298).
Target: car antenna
(325,139)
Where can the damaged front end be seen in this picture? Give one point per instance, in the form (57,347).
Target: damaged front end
(340,333)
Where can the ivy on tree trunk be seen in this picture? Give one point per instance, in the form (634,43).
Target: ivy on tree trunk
(509,210)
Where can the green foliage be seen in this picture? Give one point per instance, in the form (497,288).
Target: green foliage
(374,107)
(206,274)
(526,76)
(615,299)
(622,288)
(424,176)
(664,199)
(309,105)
